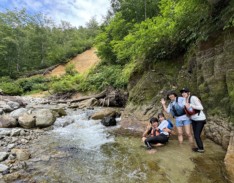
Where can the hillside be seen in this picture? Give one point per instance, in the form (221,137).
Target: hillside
(82,63)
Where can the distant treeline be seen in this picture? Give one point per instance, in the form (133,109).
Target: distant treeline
(32,42)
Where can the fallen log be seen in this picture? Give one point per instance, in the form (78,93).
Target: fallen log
(42,71)
(97,96)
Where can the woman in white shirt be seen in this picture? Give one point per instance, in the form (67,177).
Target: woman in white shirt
(194,108)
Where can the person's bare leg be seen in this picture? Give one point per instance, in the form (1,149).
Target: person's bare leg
(189,135)
(180,134)
(143,139)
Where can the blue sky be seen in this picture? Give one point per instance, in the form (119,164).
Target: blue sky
(77,12)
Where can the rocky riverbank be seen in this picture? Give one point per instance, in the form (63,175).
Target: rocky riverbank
(24,120)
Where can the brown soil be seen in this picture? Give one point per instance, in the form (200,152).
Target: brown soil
(82,62)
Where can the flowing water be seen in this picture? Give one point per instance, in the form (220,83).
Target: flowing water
(87,152)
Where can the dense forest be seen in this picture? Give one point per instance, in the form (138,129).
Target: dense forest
(133,35)
(29,42)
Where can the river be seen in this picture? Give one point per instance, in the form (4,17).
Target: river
(88,152)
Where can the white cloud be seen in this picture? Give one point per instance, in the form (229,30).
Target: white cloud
(77,12)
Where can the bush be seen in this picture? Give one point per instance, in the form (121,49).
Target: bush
(11,88)
(106,75)
(70,69)
(67,83)
(33,83)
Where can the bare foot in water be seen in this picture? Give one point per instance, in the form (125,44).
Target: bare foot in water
(151,151)
(157,145)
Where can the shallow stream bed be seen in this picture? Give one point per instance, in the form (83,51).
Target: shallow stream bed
(88,152)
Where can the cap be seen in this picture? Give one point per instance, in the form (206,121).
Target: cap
(184,90)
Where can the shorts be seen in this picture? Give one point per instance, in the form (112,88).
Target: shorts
(180,123)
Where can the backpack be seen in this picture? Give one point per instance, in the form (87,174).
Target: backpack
(170,125)
(191,111)
(176,110)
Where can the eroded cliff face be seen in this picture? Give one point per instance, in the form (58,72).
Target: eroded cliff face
(207,69)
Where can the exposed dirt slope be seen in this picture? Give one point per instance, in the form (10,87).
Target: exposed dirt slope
(82,62)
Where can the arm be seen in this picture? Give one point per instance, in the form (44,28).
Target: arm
(163,102)
(163,126)
(196,103)
(147,131)
(167,130)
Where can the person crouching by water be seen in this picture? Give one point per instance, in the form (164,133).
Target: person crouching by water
(176,109)
(194,109)
(158,134)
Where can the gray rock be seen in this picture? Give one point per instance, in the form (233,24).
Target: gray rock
(7,121)
(27,121)
(7,108)
(12,156)
(3,156)
(15,132)
(21,154)
(5,132)
(44,118)
(14,139)
(104,113)
(62,122)
(3,168)
(13,105)
(18,112)
(10,146)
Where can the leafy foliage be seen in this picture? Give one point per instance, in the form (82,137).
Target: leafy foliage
(24,85)
(70,69)
(162,36)
(31,42)
(144,30)
(67,83)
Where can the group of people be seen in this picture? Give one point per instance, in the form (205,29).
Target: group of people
(187,110)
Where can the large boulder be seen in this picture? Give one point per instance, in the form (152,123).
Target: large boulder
(104,113)
(13,105)
(27,121)
(18,112)
(7,121)
(44,117)
(108,121)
